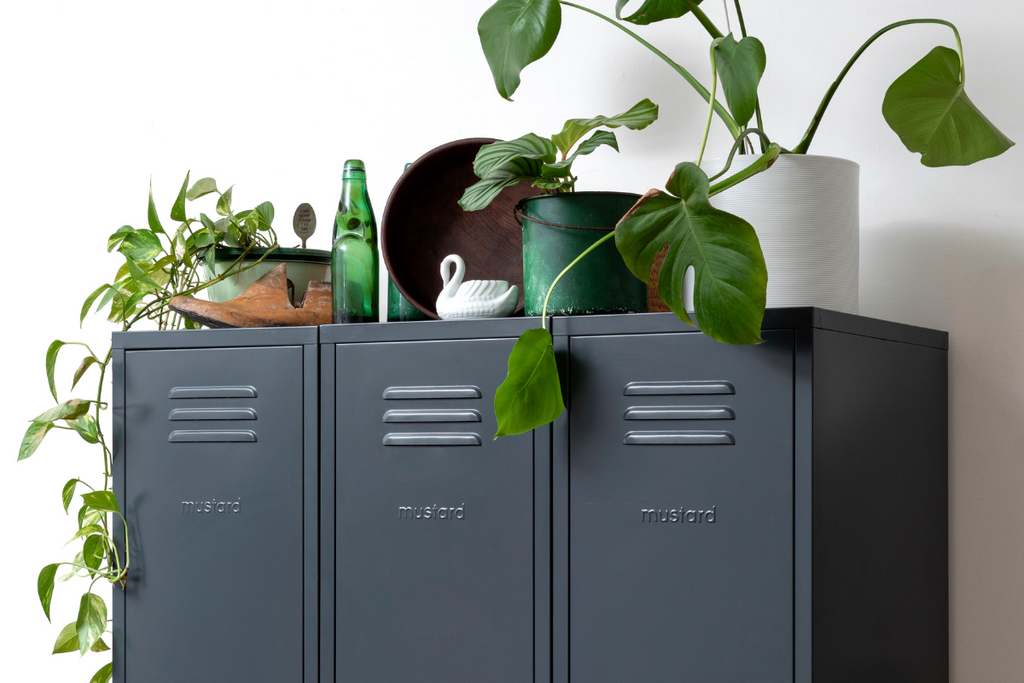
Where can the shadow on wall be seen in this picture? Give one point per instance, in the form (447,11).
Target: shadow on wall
(969,280)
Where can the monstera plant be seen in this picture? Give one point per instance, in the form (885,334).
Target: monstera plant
(927,107)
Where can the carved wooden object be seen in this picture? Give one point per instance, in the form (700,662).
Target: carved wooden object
(264,304)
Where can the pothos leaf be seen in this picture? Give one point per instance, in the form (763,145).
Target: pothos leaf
(514,33)
(531,395)
(92,551)
(51,364)
(92,621)
(101,500)
(141,245)
(44,586)
(104,674)
(178,208)
(740,66)
(87,428)
(151,215)
(202,187)
(730,275)
(67,641)
(69,410)
(118,235)
(87,305)
(34,436)
(224,202)
(638,117)
(86,362)
(68,493)
(654,10)
(928,108)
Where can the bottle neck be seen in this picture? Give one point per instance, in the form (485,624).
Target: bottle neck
(355,212)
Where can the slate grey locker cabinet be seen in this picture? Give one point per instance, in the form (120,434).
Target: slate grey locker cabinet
(216,469)
(769,513)
(436,538)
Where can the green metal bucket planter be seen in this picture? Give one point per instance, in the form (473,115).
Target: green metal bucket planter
(559,227)
(304,266)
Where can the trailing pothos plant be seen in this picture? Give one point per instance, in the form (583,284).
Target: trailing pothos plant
(926,107)
(159,264)
(536,160)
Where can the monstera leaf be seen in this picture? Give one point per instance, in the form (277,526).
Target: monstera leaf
(654,10)
(514,33)
(928,108)
(740,66)
(639,116)
(730,275)
(531,394)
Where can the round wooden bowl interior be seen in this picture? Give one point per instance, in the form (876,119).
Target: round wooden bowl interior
(423,223)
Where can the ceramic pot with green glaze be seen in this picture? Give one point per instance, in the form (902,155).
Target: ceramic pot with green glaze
(559,227)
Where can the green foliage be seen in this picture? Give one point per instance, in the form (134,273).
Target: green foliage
(159,263)
(531,394)
(534,159)
(928,108)
(655,10)
(730,276)
(514,33)
(740,66)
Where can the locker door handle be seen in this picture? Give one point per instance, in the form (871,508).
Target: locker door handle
(678,388)
(453,391)
(212,414)
(679,413)
(213,392)
(212,436)
(428,415)
(432,439)
(678,438)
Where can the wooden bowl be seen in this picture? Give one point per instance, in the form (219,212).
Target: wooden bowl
(423,223)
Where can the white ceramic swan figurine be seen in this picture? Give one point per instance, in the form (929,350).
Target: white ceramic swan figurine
(473,299)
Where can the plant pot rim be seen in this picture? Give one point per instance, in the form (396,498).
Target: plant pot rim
(752,157)
(289,255)
(586,193)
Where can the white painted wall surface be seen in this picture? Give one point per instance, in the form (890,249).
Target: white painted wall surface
(97,97)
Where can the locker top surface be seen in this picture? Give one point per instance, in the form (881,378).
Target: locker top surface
(633,323)
(210,338)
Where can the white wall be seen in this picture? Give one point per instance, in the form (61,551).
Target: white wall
(97,97)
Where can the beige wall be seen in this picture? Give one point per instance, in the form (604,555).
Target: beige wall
(97,97)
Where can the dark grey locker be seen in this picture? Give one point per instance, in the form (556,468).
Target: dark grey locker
(436,574)
(681,509)
(214,457)
(822,455)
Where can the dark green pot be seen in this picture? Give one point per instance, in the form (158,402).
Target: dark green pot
(559,227)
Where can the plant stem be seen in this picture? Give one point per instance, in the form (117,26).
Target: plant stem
(727,119)
(703,19)
(763,162)
(737,146)
(592,247)
(711,109)
(805,142)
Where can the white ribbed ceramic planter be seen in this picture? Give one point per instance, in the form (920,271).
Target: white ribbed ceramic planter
(805,210)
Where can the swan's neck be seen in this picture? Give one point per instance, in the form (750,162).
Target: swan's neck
(452,282)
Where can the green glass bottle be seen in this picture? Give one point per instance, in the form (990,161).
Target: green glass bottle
(399,308)
(354,266)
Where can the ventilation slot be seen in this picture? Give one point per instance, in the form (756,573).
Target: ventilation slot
(212,414)
(678,388)
(212,436)
(213,392)
(426,415)
(411,393)
(678,438)
(679,413)
(433,439)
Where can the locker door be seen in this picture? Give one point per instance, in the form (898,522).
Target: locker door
(213,480)
(680,498)
(434,518)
